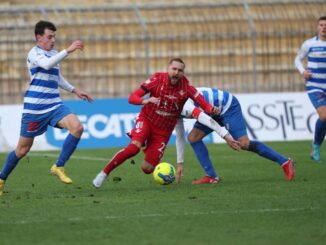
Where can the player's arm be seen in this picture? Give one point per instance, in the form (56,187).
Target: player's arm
(206,120)
(194,112)
(180,146)
(64,84)
(47,63)
(301,55)
(136,97)
(200,100)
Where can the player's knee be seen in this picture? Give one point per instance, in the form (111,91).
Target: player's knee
(147,168)
(22,151)
(244,143)
(322,113)
(131,150)
(79,129)
(322,117)
(136,143)
(192,138)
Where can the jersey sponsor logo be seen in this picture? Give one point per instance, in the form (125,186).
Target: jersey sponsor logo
(164,113)
(172,97)
(317,49)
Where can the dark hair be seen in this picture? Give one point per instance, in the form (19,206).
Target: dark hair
(322,18)
(177,60)
(42,25)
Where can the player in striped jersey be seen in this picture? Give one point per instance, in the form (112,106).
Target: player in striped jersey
(314,49)
(42,103)
(231,117)
(168,92)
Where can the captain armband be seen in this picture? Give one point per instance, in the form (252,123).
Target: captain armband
(195,112)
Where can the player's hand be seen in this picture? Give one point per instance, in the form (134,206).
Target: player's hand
(307,74)
(179,172)
(215,111)
(82,95)
(235,145)
(74,46)
(153,100)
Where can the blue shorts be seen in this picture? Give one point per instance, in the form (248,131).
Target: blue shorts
(232,119)
(317,99)
(33,125)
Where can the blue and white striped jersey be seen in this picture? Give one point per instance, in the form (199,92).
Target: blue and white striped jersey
(219,98)
(315,51)
(42,94)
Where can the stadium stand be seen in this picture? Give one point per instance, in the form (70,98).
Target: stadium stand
(241,46)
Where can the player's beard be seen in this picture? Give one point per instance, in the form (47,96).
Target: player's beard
(174,80)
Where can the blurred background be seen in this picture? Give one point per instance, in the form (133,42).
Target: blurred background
(244,46)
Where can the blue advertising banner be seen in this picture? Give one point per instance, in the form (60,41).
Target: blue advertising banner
(105,121)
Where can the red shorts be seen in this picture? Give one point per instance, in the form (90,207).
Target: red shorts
(155,139)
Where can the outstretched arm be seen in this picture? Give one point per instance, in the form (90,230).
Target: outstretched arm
(191,111)
(64,84)
(82,95)
(206,120)
(180,146)
(47,63)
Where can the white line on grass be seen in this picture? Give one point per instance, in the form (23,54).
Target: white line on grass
(72,157)
(140,216)
(266,210)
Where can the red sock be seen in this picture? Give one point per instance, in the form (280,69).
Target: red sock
(120,157)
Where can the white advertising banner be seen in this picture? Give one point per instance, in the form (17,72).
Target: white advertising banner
(10,118)
(278,116)
(269,117)
(275,116)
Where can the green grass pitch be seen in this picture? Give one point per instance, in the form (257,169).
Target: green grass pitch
(252,205)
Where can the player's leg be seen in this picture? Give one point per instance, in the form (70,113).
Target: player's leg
(139,134)
(320,131)
(261,149)
(23,147)
(318,100)
(195,139)
(63,118)
(31,126)
(203,126)
(120,157)
(237,128)
(155,147)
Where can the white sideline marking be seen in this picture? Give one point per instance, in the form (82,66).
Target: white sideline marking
(111,217)
(72,157)
(266,210)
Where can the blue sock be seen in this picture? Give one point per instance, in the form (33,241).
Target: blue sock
(9,165)
(68,148)
(203,158)
(320,131)
(266,152)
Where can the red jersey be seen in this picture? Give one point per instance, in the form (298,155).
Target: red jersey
(172,98)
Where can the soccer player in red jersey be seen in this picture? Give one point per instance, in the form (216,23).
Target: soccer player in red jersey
(168,92)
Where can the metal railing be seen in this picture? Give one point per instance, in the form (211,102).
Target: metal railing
(242,46)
